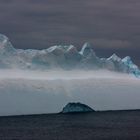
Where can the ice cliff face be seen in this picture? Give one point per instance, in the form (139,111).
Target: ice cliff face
(62,57)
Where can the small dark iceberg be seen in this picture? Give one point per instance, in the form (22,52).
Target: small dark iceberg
(77,108)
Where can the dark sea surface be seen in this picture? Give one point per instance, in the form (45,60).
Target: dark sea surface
(107,125)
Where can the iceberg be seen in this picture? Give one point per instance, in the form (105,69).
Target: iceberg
(77,108)
(65,57)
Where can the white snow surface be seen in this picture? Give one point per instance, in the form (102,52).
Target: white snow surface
(37,92)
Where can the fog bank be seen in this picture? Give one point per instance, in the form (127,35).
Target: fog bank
(62,74)
(35,92)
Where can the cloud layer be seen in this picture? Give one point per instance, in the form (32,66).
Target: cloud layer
(112,25)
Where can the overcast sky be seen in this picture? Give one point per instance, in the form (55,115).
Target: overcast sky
(110,25)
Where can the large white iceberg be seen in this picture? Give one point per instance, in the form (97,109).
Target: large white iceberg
(62,57)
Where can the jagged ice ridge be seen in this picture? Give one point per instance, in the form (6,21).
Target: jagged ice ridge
(65,57)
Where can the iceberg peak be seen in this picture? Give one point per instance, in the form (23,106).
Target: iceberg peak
(127,59)
(3,38)
(114,57)
(5,44)
(87,50)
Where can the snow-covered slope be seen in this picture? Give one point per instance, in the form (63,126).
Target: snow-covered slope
(62,57)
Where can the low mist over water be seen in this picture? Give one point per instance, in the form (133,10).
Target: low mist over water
(62,74)
(34,92)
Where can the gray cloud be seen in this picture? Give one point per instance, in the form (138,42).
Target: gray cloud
(120,44)
(110,25)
